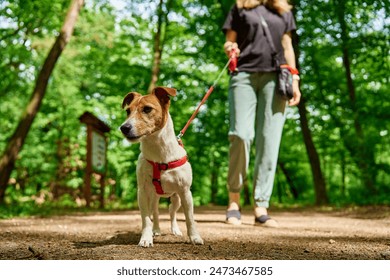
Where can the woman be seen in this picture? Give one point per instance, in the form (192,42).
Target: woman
(256,112)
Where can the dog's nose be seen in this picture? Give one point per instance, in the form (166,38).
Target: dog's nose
(125,129)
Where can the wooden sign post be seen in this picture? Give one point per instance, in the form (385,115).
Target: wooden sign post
(96,154)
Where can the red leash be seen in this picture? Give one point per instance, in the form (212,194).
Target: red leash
(232,63)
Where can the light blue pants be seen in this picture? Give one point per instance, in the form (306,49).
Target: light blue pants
(256,112)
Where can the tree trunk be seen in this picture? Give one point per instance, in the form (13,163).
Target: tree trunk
(319,180)
(363,154)
(315,165)
(15,144)
(159,39)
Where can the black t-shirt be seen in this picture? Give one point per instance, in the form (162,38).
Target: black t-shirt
(255,50)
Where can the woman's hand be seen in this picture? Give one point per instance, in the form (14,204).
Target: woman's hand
(296,94)
(289,54)
(229,46)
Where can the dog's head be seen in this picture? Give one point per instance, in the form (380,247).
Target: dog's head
(146,114)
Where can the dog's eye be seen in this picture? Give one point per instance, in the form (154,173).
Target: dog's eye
(147,109)
(128,112)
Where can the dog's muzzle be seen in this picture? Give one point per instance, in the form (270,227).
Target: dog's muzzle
(128,132)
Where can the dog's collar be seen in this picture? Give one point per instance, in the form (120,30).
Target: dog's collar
(158,167)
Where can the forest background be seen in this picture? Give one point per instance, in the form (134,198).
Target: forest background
(336,145)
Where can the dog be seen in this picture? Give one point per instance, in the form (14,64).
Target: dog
(162,169)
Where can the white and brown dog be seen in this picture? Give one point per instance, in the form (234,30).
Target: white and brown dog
(163,169)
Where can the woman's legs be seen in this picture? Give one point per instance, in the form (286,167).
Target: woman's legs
(269,126)
(252,98)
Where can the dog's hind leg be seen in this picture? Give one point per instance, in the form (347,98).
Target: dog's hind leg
(173,207)
(186,198)
(156,223)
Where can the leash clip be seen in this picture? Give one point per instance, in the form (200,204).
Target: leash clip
(178,137)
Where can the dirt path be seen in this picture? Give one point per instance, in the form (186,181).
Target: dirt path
(349,234)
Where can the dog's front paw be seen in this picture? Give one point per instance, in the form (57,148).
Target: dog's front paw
(196,240)
(146,241)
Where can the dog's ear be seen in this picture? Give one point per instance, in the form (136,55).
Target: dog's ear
(129,98)
(163,93)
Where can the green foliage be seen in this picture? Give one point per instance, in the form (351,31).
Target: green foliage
(111,54)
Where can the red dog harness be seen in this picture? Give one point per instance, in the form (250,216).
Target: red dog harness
(158,167)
